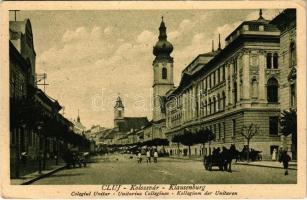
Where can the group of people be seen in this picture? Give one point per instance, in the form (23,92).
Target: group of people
(149,154)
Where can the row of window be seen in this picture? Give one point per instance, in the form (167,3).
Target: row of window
(272,58)
(213,79)
(217,103)
(213,104)
(17,85)
(273,126)
(272,61)
(217,130)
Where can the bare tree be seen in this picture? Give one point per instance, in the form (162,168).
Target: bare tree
(248,132)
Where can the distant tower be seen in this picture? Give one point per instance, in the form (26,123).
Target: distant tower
(118,111)
(78,118)
(163,71)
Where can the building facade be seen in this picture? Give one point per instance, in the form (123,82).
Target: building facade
(38,132)
(286,22)
(232,87)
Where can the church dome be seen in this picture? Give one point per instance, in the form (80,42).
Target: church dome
(163,47)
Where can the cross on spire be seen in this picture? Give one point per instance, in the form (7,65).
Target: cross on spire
(260,14)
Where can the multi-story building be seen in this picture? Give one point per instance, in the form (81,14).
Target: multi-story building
(286,22)
(232,87)
(36,127)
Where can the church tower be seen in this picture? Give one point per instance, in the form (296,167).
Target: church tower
(118,112)
(163,72)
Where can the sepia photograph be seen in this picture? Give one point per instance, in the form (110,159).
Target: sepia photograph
(134,99)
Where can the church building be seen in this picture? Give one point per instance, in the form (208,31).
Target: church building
(122,125)
(163,83)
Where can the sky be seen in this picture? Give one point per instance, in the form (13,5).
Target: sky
(91,57)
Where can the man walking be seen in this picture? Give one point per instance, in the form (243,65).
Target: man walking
(285,158)
(139,157)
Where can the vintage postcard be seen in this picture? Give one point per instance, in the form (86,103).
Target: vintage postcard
(153,99)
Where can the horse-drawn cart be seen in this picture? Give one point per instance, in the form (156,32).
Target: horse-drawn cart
(222,160)
(213,160)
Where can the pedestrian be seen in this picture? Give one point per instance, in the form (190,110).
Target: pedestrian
(285,158)
(155,156)
(274,154)
(139,157)
(148,156)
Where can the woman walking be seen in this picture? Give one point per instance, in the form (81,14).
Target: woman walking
(155,156)
(148,156)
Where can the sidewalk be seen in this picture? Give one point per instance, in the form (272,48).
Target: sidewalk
(267,163)
(262,163)
(34,176)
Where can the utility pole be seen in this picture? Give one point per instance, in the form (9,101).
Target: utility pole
(15,12)
(41,77)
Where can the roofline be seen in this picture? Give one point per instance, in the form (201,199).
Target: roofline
(14,52)
(235,44)
(282,14)
(54,104)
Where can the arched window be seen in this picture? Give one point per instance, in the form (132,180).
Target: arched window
(269,61)
(292,54)
(275,61)
(206,108)
(218,102)
(164,73)
(214,104)
(254,88)
(209,105)
(235,93)
(292,95)
(209,81)
(235,64)
(272,90)
(224,101)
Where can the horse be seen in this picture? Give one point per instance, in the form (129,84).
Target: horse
(228,155)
